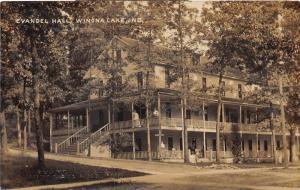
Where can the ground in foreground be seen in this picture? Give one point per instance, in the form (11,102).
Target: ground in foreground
(23,172)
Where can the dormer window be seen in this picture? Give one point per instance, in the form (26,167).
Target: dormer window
(223,88)
(118,55)
(140,80)
(204,87)
(240,92)
(167,78)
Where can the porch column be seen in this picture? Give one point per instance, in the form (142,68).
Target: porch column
(256,120)
(50,132)
(204,135)
(257,142)
(148,130)
(240,126)
(133,135)
(68,123)
(223,126)
(72,122)
(183,135)
(159,126)
(108,114)
(87,119)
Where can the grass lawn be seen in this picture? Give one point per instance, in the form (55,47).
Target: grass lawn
(23,172)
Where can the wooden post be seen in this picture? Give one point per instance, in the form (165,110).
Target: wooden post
(18,127)
(25,138)
(29,123)
(204,130)
(159,125)
(133,135)
(68,123)
(223,126)
(256,118)
(257,153)
(108,114)
(240,126)
(148,131)
(72,122)
(50,132)
(87,119)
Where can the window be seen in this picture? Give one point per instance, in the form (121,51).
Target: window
(140,80)
(101,88)
(265,145)
(206,113)
(193,146)
(204,87)
(243,145)
(180,144)
(120,114)
(138,143)
(250,145)
(278,144)
(214,145)
(258,145)
(168,110)
(240,92)
(188,114)
(167,78)
(119,55)
(170,143)
(225,144)
(248,116)
(223,88)
(196,58)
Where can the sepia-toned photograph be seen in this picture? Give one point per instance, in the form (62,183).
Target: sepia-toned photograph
(150,95)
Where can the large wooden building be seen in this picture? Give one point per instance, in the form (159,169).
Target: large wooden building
(79,127)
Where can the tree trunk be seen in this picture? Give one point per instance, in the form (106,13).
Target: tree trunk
(18,126)
(282,121)
(273,138)
(185,134)
(293,148)
(220,88)
(29,127)
(148,131)
(4,147)
(37,115)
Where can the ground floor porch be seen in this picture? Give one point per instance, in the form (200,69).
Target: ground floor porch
(202,147)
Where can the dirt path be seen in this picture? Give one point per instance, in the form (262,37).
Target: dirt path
(183,176)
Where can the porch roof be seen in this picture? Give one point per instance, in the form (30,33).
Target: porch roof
(93,103)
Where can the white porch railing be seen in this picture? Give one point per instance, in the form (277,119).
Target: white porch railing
(81,146)
(165,154)
(71,139)
(192,124)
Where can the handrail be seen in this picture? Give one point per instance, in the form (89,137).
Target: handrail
(70,139)
(86,142)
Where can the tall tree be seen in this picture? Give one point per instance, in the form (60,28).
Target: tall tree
(184,39)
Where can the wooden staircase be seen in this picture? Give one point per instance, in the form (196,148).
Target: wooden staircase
(94,137)
(79,141)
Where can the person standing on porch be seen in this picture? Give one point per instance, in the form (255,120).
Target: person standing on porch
(136,119)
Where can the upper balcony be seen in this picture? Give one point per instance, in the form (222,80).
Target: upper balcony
(194,125)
